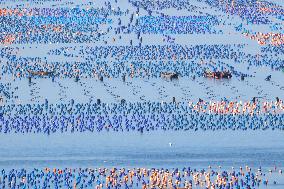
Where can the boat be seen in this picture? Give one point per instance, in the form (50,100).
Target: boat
(169,75)
(218,74)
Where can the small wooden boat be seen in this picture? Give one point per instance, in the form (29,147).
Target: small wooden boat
(218,74)
(169,75)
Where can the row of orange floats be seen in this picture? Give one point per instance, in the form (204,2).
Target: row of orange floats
(222,107)
(16,12)
(275,39)
(266,9)
(10,38)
